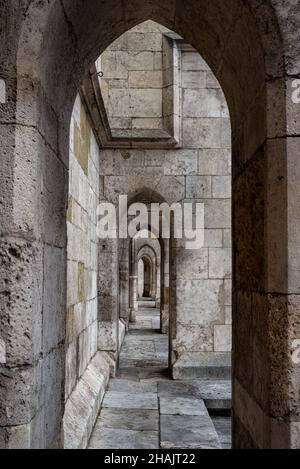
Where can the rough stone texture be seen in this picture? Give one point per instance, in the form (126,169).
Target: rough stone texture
(196,432)
(253,48)
(84,403)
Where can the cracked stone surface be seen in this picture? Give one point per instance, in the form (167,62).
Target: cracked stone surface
(144,409)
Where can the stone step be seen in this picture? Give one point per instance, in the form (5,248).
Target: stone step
(215,393)
(186,424)
(146,304)
(202,365)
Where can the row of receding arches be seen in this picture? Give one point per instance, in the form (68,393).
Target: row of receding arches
(253,50)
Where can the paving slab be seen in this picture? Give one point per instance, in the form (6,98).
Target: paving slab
(129,419)
(195,432)
(178,389)
(125,400)
(144,409)
(127,385)
(111,438)
(181,406)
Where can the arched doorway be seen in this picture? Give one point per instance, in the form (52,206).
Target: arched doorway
(247,46)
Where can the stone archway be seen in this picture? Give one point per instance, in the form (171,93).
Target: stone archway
(49,46)
(154,257)
(147,277)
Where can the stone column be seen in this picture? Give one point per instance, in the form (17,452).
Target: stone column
(124,280)
(165,288)
(108,297)
(133,284)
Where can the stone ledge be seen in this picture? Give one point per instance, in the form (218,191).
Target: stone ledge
(202,365)
(83,406)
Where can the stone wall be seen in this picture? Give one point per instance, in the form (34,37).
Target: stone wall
(198,170)
(138,82)
(82,302)
(254,50)
(87,370)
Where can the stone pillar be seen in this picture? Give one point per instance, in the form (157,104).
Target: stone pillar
(134,298)
(124,281)
(266,290)
(165,288)
(108,297)
(133,283)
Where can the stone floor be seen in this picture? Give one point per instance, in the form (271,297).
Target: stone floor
(144,409)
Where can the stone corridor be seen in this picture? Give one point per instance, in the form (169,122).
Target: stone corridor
(144,409)
(117,118)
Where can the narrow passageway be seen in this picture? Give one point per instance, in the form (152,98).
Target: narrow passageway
(144,409)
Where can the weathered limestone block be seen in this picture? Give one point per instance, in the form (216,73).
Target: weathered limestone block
(193,338)
(144,41)
(135,103)
(226,135)
(141,61)
(214,162)
(217,213)
(220,263)
(221,187)
(198,301)
(20,395)
(142,79)
(222,339)
(213,238)
(84,352)
(112,163)
(202,133)
(71,368)
(202,103)
(53,378)
(192,79)
(198,187)
(196,432)
(192,265)
(54,298)
(202,365)
(83,406)
(179,162)
(192,61)
(211,80)
(107,336)
(172,188)
(21,293)
(54,202)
